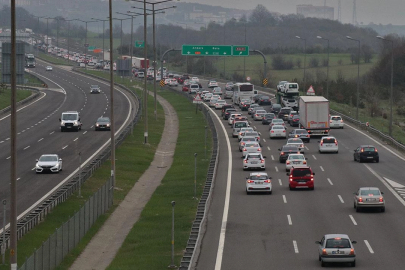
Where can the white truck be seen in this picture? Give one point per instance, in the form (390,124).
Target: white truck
(314,115)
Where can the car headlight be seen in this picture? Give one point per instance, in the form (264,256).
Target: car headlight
(62,123)
(97,125)
(108,125)
(75,123)
(37,166)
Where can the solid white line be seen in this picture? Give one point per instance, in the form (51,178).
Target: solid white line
(221,244)
(341,199)
(295,246)
(2,142)
(84,132)
(33,169)
(314,157)
(284,199)
(289,220)
(272,158)
(26,147)
(40,139)
(75,139)
(268,148)
(44,94)
(330,182)
(276,168)
(352,218)
(369,246)
(64,147)
(321,168)
(307,148)
(279,181)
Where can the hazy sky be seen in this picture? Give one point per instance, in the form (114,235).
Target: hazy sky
(376,11)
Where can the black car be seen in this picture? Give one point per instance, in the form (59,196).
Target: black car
(226,106)
(284,113)
(366,153)
(245,105)
(295,121)
(228,113)
(286,150)
(264,100)
(267,118)
(300,133)
(275,108)
(103,123)
(257,97)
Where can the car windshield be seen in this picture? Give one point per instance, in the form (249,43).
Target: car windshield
(94,86)
(258,177)
(69,116)
(370,192)
(294,141)
(336,118)
(301,172)
(338,243)
(103,120)
(253,156)
(329,140)
(48,158)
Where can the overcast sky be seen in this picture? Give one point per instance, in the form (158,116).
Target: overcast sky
(376,11)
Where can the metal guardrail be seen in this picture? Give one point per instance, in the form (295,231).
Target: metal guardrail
(37,215)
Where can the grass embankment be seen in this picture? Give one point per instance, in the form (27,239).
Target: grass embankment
(54,60)
(5,97)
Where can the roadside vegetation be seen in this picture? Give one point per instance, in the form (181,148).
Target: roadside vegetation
(5,96)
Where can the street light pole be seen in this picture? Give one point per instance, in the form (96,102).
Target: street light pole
(327,69)
(392,81)
(358,77)
(305,58)
(68,42)
(103,34)
(244,58)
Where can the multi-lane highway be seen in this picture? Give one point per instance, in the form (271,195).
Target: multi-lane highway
(38,131)
(279,231)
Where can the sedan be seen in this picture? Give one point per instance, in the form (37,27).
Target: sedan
(251,147)
(254,161)
(48,68)
(217,91)
(267,118)
(296,161)
(229,86)
(369,197)
(264,100)
(95,89)
(295,121)
(297,142)
(213,101)
(207,97)
(103,123)
(173,82)
(48,163)
(328,144)
(251,107)
(336,248)
(259,115)
(243,131)
(258,182)
(336,121)
(253,112)
(244,140)
(253,134)
(244,105)
(232,117)
(219,104)
(277,131)
(366,153)
(300,133)
(277,122)
(287,150)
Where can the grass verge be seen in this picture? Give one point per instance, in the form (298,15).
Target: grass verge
(5,97)
(54,60)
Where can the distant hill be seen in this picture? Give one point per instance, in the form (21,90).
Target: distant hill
(388,29)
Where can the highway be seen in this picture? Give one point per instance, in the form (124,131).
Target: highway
(38,131)
(279,231)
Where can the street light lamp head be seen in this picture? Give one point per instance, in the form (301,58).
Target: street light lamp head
(349,37)
(380,37)
(195,154)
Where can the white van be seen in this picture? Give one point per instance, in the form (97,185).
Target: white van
(237,126)
(290,88)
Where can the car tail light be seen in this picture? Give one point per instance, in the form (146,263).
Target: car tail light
(267,181)
(360,199)
(282,153)
(296,136)
(245,161)
(336,142)
(304,162)
(242,143)
(259,149)
(321,143)
(302,146)
(381,199)
(341,121)
(362,150)
(250,181)
(308,135)
(330,121)
(262,161)
(351,252)
(287,162)
(258,138)
(272,131)
(375,149)
(324,252)
(284,131)
(244,149)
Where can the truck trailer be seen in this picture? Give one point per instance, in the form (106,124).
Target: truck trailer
(314,115)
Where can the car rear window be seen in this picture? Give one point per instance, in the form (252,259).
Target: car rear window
(368,192)
(338,243)
(253,156)
(336,118)
(291,100)
(301,172)
(252,145)
(301,132)
(329,140)
(368,149)
(276,106)
(251,134)
(240,124)
(258,177)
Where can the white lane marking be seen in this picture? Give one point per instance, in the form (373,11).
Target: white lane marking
(18,178)
(268,148)
(321,168)
(272,158)
(92,126)
(330,182)
(401,200)
(289,220)
(8,157)
(314,157)
(2,142)
(26,147)
(40,139)
(295,246)
(341,199)
(264,140)
(7,139)
(284,199)
(254,127)
(276,168)
(33,169)
(44,94)
(307,148)
(84,132)
(221,244)
(279,181)
(64,147)
(369,246)
(52,133)
(75,139)
(352,218)
(393,183)
(18,133)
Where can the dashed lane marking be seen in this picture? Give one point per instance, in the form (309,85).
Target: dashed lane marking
(341,199)
(268,148)
(295,246)
(64,147)
(369,246)
(321,168)
(284,199)
(330,182)
(26,147)
(352,218)
(279,181)
(40,139)
(314,157)
(289,220)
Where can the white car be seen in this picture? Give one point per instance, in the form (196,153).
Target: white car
(173,82)
(219,104)
(254,161)
(297,142)
(217,91)
(242,132)
(203,93)
(336,248)
(277,121)
(277,131)
(258,115)
(296,161)
(141,75)
(336,121)
(207,97)
(213,101)
(251,147)
(195,79)
(48,68)
(212,84)
(48,163)
(258,182)
(216,96)
(328,144)
(233,115)
(253,134)
(245,140)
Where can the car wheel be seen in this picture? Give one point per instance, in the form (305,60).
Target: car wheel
(312,188)
(319,257)
(354,205)
(323,264)
(383,209)
(337,151)
(354,158)
(247,192)
(290,187)
(353,264)
(357,209)
(270,192)
(377,160)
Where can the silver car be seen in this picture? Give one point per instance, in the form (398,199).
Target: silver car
(253,134)
(242,132)
(254,161)
(258,182)
(48,163)
(298,142)
(258,116)
(336,248)
(255,109)
(233,115)
(277,121)
(367,197)
(244,140)
(237,126)
(277,131)
(328,144)
(296,161)
(251,147)
(207,96)
(252,107)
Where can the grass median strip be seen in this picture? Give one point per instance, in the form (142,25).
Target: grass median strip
(5,97)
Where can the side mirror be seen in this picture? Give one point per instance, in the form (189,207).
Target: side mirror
(317,242)
(288,174)
(279,149)
(382,192)
(264,156)
(313,173)
(59,119)
(354,242)
(60,159)
(36,160)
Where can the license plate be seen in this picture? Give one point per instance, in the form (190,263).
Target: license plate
(369,157)
(296,162)
(371,199)
(302,183)
(328,145)
(259,183)
(338,252)
(254,162)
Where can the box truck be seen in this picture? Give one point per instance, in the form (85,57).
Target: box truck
(314,115)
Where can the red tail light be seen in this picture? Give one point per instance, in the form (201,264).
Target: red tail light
(304,162)
(245,161)
(360,199)
(341,121)
(381,199)
(272,131)
(282,153)
(262,161)
(362,150)
(256,114)
(250,181)
(258,138)
(375,149)
(324,252)
(284,131)
(321,143)
(244,149)
(267,181)
(259,149)
(336,142)
(351,251)
(287,162)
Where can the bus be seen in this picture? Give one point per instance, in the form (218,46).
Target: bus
(243,91)
(29,60)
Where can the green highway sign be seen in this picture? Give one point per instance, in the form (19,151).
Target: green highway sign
(139,43)
(215,50)
(91,48)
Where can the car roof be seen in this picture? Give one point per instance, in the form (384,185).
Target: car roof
(48,155)
(290,146)
(369,188)
(337,235)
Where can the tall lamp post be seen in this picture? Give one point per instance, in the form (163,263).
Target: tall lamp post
(205,38)
(358,77)
(244,58)
(68,41)
(86,45)
(132,31)
(305,58)
(327,69)
(99,20)
(47,33)
(392,81)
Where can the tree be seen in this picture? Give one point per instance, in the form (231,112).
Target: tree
(367,53)
(262,16)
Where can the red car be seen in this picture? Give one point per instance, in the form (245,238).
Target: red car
(301,178)
(185,87)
